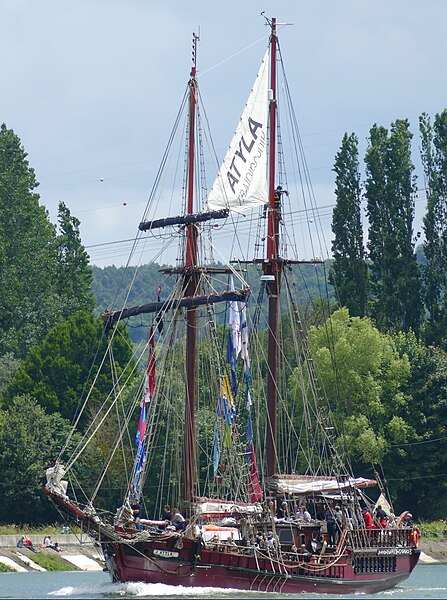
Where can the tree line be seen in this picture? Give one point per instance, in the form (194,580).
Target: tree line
(397,418)
(382,278)
(390,400)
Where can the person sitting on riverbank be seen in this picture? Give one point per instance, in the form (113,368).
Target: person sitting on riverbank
(26,542)
(47,543)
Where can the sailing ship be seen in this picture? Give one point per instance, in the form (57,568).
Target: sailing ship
(266,502)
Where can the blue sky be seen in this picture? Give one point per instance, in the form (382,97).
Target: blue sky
(92,88)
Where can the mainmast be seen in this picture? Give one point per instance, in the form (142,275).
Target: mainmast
(272,266)
(191,283)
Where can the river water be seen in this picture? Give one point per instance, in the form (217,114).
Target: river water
(426,581)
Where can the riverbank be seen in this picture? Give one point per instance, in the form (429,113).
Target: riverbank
(433,551)
(80,553)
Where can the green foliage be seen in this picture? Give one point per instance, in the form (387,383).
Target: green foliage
(52,563)
(357,365)
(39,530)
(433,530)
(27,252)
(389,399)
(8,366)
(434,160)
(363,442)
(349,273)
(6,569)
(111,285)
(390,193)
(363,377)
(58,373)
(74,275)
(30,439)
(417,455)
(43,276)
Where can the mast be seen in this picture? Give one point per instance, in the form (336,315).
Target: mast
(191,283)
(272,267)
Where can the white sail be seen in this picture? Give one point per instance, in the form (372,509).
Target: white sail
(241,183)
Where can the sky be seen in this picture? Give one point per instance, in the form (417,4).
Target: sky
(92,88)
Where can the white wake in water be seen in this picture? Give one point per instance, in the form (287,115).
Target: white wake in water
(146,590)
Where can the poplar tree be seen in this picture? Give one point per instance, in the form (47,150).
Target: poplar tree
(27,252)
(74,274)
(434,160)
(44,276)
(349,271)
(390,192)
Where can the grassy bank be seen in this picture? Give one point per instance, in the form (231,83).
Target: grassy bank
(40,530)
(434,531)
(52,563)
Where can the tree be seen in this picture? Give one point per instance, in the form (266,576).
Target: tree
(44,277)
(30,440)
(434,160)
(59,372)
(349,273)
(27,252)
(362,376)
(390,191)
(387,394)
(74,275)
(416,463)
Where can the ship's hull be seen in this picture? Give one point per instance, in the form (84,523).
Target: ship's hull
(193,566)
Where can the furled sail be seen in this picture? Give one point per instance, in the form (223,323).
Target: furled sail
(241,183)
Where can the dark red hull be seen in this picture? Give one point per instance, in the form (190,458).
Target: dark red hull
(376,564)
(229,570)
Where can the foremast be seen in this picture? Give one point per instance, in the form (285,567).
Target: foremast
(272,267)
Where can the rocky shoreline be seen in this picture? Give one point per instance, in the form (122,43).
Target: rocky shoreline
(81,553)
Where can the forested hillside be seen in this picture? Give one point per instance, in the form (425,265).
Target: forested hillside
(111,284)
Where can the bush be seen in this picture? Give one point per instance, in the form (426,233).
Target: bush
(434,531)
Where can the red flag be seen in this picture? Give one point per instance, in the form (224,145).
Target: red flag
(254,487)
(151,363)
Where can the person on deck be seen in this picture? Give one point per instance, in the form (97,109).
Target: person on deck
(178,520)
(302,514)
(315,545)
(135,507)
(391,522)
(407,520)
(367,519)
(331,524)
(304,554)
(166,515)
(282,511)
(381,516)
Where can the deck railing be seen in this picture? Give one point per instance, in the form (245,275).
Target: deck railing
(380,538)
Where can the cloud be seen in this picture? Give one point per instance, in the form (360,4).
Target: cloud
(93,88)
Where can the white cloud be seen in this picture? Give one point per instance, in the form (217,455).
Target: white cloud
(92,88)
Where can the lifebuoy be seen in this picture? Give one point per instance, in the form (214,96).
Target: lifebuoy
(402,517)
(415,536)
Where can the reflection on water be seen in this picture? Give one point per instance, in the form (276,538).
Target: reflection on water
(427,581)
